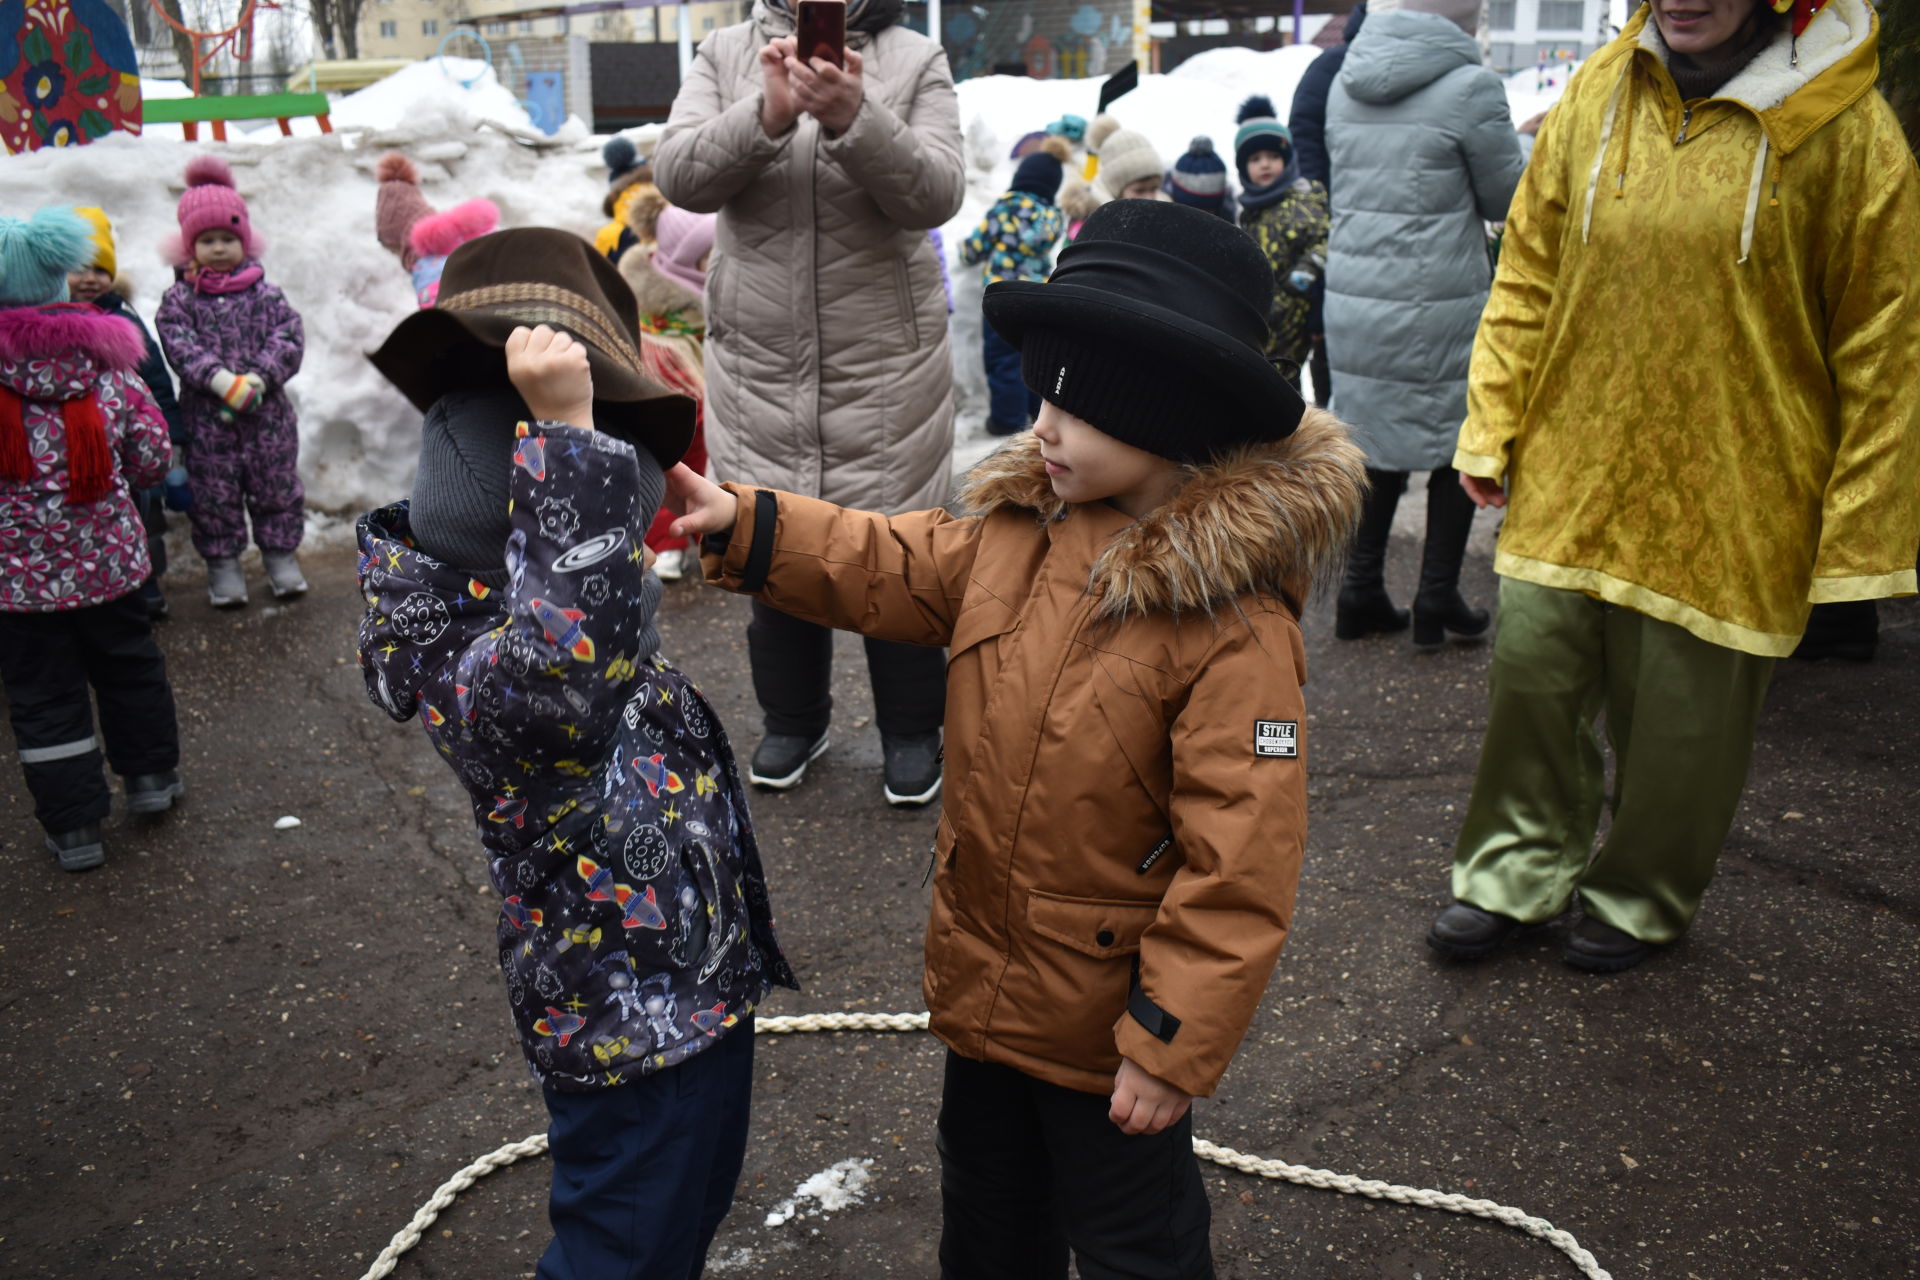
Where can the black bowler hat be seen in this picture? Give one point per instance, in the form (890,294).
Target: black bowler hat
(1153,327)
(532,276)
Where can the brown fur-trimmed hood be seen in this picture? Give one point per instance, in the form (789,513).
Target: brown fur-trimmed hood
(1268,519)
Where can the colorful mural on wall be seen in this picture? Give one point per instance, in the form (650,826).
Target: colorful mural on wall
(67,74)
(1052,39)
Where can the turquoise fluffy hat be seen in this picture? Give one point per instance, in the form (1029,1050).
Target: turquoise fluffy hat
(37,252)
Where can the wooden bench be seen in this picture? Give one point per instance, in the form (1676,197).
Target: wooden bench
(279,107)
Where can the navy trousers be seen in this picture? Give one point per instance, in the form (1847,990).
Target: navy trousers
(49,661)
(1009,404)
(644,1172)
(1030,1171)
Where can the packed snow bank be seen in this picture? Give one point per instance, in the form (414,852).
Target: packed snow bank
(312,200)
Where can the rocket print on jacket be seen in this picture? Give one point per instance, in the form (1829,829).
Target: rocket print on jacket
(635,927)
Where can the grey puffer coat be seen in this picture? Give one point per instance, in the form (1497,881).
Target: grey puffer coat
(1423,142)
(828,372)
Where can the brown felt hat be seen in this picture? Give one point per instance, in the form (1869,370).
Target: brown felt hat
(532,276)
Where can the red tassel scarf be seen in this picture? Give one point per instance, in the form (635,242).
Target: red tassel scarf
(89,460)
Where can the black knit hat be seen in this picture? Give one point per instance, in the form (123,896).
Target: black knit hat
(1153,328)
(1038,175)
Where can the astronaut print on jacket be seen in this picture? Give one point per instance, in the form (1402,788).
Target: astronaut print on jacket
(635,927)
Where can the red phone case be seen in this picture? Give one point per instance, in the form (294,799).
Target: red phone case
(822,31)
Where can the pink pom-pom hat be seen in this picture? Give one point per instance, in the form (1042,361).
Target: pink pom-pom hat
(439,234)
(681,239)
(210,203)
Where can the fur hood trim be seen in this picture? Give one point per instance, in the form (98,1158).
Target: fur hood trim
(34,333)
(1268,519)
(641,172)
(656,294)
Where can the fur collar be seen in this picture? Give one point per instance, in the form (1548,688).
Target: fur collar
(656,294)
(1264,520)
(34,333)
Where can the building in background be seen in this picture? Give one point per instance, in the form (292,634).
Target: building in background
(416,28)
(1526,33)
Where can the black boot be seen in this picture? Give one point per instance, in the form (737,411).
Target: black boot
(1438,607)
(1364,605)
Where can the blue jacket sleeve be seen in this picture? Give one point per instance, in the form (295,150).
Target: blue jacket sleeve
(553,677)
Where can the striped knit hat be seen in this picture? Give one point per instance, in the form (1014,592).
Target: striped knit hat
(1199,177)
(1260,130)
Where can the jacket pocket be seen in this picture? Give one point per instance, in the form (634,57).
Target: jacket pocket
(980,623)
(1097,927)
(909,314)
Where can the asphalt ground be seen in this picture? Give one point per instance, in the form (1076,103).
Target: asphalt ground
(239,1051)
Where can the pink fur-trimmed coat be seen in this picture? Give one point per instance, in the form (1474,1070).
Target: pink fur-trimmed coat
(55,554)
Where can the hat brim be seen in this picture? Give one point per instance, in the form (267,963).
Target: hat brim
(1231,370)
(433,352)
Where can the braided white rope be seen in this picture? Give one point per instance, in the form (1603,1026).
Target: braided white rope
(1280,1170)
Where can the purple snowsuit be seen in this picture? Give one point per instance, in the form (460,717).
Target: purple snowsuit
(241,463)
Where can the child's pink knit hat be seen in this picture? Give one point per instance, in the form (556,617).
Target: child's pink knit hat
(210,204)
(682,238)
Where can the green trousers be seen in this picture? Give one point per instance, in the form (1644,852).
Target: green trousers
(1680,714)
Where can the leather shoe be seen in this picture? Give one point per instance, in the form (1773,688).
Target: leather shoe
(1469,932)
(1598,947)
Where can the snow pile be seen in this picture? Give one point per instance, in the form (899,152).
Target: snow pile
(311,199)
(840,1187)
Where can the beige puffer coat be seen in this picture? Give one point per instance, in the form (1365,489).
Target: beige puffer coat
(828,372)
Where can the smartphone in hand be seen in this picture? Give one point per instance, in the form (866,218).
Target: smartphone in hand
(822,31)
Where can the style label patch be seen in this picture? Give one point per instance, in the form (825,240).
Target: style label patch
(1276,738)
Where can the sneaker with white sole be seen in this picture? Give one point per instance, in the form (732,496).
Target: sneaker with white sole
(671,566)
(226,585)
(284,578)
(781,760)
(912,768)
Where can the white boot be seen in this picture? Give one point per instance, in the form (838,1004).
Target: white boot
(283,574)
(226,585)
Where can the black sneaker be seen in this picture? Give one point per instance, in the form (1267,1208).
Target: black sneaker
(1469,932)
(79,849)
(912,768)
(154,792)
(781,760)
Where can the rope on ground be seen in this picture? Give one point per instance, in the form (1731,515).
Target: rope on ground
(1279,1170)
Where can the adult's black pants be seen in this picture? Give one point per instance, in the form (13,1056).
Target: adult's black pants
(1030,1172)
(48,661)
(793,671)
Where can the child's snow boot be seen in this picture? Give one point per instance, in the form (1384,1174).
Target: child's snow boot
(283,574)
(79,849)
(226,585)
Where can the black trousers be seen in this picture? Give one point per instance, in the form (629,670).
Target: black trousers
(793,669)
(1030,1171)
(47,661)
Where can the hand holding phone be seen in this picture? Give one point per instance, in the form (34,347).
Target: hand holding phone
(829,93)
(822,31)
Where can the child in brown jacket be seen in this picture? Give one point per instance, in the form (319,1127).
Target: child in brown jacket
(1125,777)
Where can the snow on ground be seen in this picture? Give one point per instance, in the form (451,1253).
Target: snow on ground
(840,1187)
(312,199)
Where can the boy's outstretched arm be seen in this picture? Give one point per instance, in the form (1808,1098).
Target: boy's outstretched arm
(895,578)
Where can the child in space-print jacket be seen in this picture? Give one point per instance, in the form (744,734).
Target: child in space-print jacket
(635,921)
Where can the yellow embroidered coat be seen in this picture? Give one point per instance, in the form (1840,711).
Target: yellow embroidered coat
(1699,370)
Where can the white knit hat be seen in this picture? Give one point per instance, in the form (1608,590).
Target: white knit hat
(1125,156)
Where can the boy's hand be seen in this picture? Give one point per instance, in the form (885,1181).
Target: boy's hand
(1484,492)
(549,370)
(703,506)
(1144,1103)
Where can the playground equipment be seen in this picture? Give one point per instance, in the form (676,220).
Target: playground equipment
(67,74)
(236,39)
